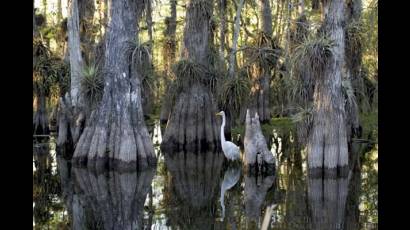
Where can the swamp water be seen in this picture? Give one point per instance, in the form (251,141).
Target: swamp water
(200,191)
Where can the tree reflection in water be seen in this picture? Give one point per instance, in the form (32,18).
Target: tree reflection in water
(109,200)
(193,188)
(187,191)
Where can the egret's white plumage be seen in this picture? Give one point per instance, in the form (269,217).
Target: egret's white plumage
(231,151)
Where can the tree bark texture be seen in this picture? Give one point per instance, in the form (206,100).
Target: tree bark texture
(257,154)
(116,132)
(194,181)
(74,45)
(116,200)
(327,145)
(192,124)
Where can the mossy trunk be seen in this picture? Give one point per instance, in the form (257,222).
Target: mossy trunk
(169,58)
(192,124)
(260,96)
(327,145)
(116,133)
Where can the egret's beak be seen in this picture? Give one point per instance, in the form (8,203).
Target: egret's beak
(218,114)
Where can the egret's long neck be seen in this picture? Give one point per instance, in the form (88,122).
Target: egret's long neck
(222,129)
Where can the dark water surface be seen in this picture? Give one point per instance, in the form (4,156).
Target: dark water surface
(200,191)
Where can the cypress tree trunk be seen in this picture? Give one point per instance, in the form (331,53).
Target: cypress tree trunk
(116,132)
(76,59)
(86,10)
(169,57)
(72,105)
(327,145)
(146,92)
(222,15)
(192,124)
(232,55)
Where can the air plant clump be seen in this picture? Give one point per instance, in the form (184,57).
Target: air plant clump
(187,74)
(355,33)
(303,114)
(48,71)
(264,51)
(313,55)
(92,84)
(234,92)
(142,66)
(300,31)
(348,92)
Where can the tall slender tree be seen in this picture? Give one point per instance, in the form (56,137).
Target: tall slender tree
(169,55)
(71,114)
(222,15)
(262,72)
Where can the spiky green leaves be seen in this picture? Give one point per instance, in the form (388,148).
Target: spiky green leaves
(234,92)
(49,71)
(354,41)
(264,51)
(189,73)
(313,55)
(92,84)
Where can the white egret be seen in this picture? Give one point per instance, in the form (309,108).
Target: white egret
(231,151)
